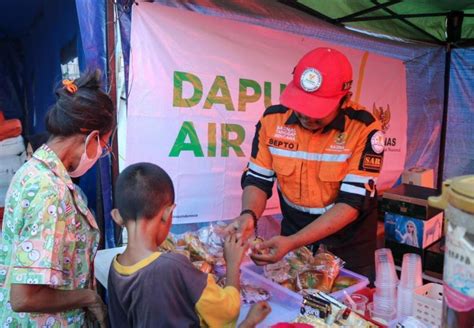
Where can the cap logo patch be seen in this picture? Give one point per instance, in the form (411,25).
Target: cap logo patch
(311,80)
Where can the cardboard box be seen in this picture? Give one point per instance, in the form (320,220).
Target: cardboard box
(413,231)
(398,250)
(409,200)
(434,257)
(419,176)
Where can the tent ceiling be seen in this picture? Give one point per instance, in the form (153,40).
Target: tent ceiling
(417,20)
(19,16)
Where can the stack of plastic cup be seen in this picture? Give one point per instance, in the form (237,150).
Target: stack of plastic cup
(410,279)
(386,281)
(357,302)
(384,317)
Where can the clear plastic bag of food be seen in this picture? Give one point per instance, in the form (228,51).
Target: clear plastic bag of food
(197,248)
(168,245)
(329,264)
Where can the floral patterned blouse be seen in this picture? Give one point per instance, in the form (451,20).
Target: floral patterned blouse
(49,238)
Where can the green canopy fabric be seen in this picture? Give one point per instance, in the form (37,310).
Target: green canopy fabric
(418,20)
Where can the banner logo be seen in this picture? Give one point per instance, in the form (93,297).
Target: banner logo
(383,115)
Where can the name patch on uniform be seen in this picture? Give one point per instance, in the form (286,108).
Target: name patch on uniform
(285,144)
(284,132)
(372,162)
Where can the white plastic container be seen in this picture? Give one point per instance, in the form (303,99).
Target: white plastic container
(428,304)
(257,271)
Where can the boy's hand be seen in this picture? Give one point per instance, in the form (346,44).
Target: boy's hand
(257,313)
(234,250)
(243,225)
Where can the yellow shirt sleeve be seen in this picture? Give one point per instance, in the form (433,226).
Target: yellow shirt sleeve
(217,306)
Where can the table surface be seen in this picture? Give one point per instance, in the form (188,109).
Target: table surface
(284,308)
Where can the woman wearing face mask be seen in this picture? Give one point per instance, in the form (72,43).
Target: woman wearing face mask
(49,236)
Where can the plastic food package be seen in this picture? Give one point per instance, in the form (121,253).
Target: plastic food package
(322,310)
(203,266)
(197,249)
(252,294)
(168,245)
(300,270)
(329,264)
(249,293)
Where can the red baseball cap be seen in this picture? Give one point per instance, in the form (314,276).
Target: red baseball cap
(320,79)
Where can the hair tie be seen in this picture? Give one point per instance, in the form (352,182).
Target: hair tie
(70,86)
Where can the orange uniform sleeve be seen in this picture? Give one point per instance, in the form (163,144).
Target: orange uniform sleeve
(259,170)
(365,165)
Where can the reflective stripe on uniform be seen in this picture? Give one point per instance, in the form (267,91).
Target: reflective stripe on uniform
(260,177)
(353,189)
(309,156)
(358,178)
(261,170)
(310,210)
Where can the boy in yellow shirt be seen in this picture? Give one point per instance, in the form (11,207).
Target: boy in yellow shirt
(152,289)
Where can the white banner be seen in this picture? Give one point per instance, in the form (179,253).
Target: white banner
(199,84)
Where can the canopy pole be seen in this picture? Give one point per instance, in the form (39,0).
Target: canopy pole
(112,91)
(454,21)
(112,77)
(444,121)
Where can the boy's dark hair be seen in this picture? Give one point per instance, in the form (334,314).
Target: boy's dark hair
(82,111)
(142,190)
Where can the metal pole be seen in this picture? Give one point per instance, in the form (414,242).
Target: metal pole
(112,86)
(444,121)
(454,20)
(112,77)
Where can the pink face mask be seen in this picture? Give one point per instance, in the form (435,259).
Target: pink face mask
(85,163)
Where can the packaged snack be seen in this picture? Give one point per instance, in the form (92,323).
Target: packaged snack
(253,246)
(326,262)
(312,279)
(321,310)
(343,282)
(168,245)
(203,266)
(197,249)
(304,254)
(253,294)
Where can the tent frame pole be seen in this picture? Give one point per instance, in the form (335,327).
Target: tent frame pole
(112,87)
(112,76)
(444,120)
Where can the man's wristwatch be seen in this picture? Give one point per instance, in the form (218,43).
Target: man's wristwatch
(254,217)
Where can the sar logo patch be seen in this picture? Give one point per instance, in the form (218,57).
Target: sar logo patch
(378,142)
(372,163)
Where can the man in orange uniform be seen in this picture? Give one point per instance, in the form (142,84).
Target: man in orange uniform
(325,157)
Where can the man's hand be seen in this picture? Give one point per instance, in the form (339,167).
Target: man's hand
(98,310)
(242,224)
(274,249)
